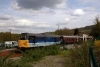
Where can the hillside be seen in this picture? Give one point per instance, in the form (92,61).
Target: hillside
(86,27)
(66,31)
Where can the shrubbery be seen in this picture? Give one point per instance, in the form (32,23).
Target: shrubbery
(79,56)
(37,54)
(29,56)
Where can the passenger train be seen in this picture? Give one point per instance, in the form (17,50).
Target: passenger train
(28,40)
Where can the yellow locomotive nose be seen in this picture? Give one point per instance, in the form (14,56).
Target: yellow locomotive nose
(23,43)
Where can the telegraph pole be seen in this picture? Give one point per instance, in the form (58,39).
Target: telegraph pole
(58,28)
(10,34)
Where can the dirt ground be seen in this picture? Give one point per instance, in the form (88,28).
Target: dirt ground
(14,53)
(51,61)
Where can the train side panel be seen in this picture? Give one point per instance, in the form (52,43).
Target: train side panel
(71,39)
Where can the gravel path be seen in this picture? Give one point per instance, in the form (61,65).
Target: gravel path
(69,46)
(51,61)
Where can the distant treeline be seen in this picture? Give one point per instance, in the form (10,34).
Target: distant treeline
(7,36)
(66,31)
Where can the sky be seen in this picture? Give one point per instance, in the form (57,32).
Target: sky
(38,16)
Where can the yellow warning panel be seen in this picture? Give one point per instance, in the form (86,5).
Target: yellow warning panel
(97,43)
(23,43)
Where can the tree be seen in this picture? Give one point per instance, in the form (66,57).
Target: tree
(76,31)
(95,32)
(64,31)
(7,36)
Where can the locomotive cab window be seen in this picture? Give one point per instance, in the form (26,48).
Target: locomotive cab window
(23,37)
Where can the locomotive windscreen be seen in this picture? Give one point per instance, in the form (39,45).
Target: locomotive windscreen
(23,36)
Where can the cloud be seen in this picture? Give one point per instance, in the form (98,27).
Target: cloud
(15,6)
(44,25)
(5,17)
(89,9)
(37,4)
(78,12)
(67,19)
(63,5)
(2,24)
(89,1)
(24,22)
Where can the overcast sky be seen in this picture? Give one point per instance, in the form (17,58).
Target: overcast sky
(37,16)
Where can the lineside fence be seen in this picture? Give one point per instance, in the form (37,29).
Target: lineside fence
(94,53)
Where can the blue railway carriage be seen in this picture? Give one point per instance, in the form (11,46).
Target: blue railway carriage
(28,40)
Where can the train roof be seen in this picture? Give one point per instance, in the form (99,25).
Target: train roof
(77,36)
(73,36)
(32,34)
(51,35)
(40,35)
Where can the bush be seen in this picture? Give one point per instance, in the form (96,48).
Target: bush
(79,56)
(52,50)
(19,63)
(37,54)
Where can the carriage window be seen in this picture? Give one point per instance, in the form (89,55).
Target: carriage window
(41,38)
(31,37)
(53,38)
